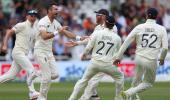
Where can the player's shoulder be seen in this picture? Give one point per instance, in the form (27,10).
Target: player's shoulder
(56,22)
(142,25)
(117,36)
(98,27)
(160,27)
(20,24)
(43,20)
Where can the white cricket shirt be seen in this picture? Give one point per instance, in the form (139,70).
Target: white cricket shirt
(50,28)
(104,45)
(25,36)
(150,38)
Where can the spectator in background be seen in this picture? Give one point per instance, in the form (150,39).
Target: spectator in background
(60,51)
(129,9)
(161,10)
(128,15)
(88,25)
(3,23)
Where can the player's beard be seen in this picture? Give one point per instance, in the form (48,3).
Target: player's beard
(99,21)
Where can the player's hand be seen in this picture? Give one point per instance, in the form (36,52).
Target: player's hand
(62,29)
(161,61)
(4,49)
(83,57)
(116,62)
(84,37)
(71,43)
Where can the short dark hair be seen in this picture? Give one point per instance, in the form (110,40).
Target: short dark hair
(110,22)
(152,13)
(49,6)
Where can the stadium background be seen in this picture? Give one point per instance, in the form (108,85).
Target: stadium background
(80,17)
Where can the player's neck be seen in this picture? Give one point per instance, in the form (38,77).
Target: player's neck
(51,18)
(31,22)
(100,23)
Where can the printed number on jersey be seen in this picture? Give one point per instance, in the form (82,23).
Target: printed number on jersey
(149,40)
(104,45)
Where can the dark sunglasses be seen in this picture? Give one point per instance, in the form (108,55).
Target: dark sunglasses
(33,15)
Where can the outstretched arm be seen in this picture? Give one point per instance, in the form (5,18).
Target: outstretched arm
(126,43)
(70,34)
(75,43)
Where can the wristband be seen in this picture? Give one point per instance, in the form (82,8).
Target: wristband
(78,38)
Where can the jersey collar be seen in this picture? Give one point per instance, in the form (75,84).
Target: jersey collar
(108,29)
(48,20)
(150,21)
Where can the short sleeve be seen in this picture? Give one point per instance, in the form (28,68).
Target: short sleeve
(18,27)
(41,25)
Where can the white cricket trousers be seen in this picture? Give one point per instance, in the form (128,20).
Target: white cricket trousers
(20,61)
(48,70)
(94,68)
(91,88)
(145,74)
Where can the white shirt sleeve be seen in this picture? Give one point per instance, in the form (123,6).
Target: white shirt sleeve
(130,38)
(91,43)
(42,26)
(18,27)
(164,39)
(119,42)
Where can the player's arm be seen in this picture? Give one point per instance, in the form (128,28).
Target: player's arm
(9,33)
(46,35)
(130,38)
(164,47)
(16,29)
(75,43)
(70,35)
(90,44)
(83,42)
(119,42)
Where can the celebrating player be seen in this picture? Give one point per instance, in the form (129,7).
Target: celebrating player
(90,91)
(25,38)
(104,45)
(48,28)
(150,38)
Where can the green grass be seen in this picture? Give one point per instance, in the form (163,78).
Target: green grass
(61,91)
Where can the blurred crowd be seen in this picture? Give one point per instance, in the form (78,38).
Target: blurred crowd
(80,17)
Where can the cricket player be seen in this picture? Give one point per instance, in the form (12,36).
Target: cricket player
(104,45)
(25,37)
(48,28)
(91,89)
(150,38)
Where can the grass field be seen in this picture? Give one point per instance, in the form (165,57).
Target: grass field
(61,91)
